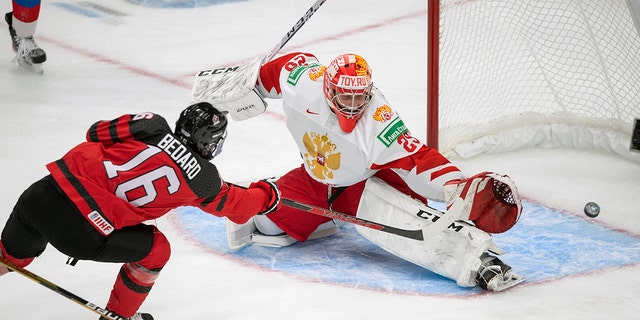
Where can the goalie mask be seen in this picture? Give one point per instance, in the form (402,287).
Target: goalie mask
(347,88)
(203,128)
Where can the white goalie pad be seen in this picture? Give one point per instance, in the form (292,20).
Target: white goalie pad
(231,89)
(242,235)
(453,253)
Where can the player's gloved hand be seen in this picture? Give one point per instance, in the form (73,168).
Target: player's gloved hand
(491,200)
(271,188)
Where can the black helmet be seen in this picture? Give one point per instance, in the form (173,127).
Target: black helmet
(203,128)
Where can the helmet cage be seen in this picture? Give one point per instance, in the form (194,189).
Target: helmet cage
(350,102)
(209,141)
(348,88)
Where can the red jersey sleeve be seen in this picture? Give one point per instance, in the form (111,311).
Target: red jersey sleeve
(269,78)
(237,203)
(421,174)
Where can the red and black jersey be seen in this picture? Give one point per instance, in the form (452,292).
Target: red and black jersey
(133,169)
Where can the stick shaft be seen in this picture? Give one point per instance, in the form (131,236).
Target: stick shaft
(95,308)
(412,234)
(293,30)
(441,221)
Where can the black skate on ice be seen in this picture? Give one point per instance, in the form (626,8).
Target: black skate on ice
(137,316)
(28,54)
(635,137)
(495,275)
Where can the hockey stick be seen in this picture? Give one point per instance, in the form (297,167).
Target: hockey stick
(440,220)
(98,310)
(231,89)
(293,30)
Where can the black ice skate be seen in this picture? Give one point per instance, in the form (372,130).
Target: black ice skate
(495,275)
(137,316)
(635,137)
(28,54)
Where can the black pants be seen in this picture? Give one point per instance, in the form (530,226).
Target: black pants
(44,214)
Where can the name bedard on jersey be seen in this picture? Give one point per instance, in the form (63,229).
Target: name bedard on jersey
(181,155)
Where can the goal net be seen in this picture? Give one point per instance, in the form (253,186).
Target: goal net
(527,73)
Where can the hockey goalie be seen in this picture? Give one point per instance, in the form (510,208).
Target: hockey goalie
(359,158)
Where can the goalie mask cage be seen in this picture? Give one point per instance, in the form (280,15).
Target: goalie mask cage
(509,74)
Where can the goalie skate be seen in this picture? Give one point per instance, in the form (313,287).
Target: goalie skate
(495,275)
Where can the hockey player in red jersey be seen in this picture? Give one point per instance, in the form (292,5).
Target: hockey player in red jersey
(352,141)
(131,169)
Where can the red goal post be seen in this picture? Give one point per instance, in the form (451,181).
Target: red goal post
(505,74)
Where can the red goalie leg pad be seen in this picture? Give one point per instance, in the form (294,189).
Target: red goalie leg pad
(135,280)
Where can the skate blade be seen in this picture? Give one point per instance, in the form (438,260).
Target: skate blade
(35,68)
(511,280)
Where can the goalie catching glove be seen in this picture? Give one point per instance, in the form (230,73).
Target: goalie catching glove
(231,89)
(490,200)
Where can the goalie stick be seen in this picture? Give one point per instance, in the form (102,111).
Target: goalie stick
(293,30)
(95,308)
(441,220)
(232,89)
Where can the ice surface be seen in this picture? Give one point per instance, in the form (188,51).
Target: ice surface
(110,58)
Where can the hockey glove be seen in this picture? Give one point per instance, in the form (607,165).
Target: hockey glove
(274,193)
(231,89)
(491,200)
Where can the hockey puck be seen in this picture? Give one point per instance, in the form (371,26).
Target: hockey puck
(591,209)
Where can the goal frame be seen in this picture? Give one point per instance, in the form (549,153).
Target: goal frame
(434,67)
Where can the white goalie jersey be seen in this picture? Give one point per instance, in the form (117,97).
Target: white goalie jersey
(333,157)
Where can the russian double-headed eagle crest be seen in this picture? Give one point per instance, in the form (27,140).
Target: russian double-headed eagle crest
(321,157)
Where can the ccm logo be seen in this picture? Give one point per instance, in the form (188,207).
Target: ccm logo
(429,216)
(217,71)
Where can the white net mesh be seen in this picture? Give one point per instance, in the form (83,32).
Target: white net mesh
(506,65)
